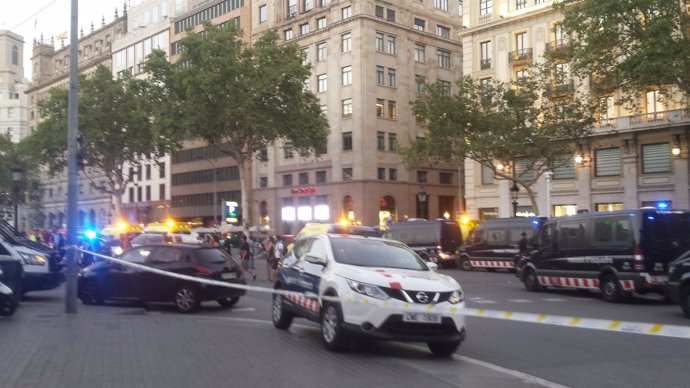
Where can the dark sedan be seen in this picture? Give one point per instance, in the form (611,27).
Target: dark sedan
(105,280)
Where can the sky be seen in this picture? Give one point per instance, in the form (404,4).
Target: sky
(31,18)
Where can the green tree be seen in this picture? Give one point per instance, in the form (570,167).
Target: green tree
(115,124)
(634,44)
(529,125)
(29,188)
(241,98)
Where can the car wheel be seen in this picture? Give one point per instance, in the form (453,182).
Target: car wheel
(282,319)
(531,281)
(465,264)
(7,305)
(685,300)
(332,333)
(228,302)
(611,289)
(186,299)
(443,349)
(91,294)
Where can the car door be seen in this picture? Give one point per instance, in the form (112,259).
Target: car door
(122,281)
(170,258)
(311,270)
(291,274)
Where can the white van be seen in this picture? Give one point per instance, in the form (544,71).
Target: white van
(40,263)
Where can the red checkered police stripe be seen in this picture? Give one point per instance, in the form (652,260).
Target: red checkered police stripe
(627,285)
(492,264)
(308,303)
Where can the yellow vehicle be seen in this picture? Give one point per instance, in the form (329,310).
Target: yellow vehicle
(120,228)
(167,227)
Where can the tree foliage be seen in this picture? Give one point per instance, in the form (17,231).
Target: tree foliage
(525,124)
(115,122)
(633,44)
(242,98)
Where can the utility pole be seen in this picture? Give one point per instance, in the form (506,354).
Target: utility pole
(72,173)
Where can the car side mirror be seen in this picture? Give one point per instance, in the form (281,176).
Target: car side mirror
(432,266)
(315,259)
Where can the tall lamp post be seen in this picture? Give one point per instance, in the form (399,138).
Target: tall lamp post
(514,190)
(16,178)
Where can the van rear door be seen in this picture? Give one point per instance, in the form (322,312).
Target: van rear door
(664,236)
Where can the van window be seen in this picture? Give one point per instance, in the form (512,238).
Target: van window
(476,237)
(667,226)
(496,236)
(612,230)
(515,234)
(546,238)
(572,234)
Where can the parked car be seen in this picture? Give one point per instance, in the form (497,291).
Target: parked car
(493,244)
(678,286)
(368,270)
(106,280)
(617,252)
(437,241)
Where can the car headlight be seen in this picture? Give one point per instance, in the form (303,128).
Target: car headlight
(117,251)
(367,289)
(33,259)
(456,297)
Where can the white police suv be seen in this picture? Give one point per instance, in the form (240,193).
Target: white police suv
(366,286)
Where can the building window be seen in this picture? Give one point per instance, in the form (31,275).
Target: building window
(131,194)
(161,192)
(346,42)
(486,7)
(347,75)
(607,162)
(443,31)
(520,4)
(15,56)
(521,44)
(287,180)
(441,4)
(346,12)
(321,83)
(347,107)
(148,172)
(565,168)
(562,73)
(380,77)
(419,83)
(161,170)
(379,11)
(487,175)
(392,110)
(391,78)
(485,55)
(443,59)
(139,196)
(419,53)
(381,174)
(347,173)
(305,56)
(419,24)
(379,107)
(393,174)
(303,178)
(422,176)
(263,13)
(656,158)
(559,35)
(380,141)
(148,193)
(321,23)
(288,152)
(304,29)
(379,42)
(321,176)
(391,45)
(288,34)
(445,178)
(263,182)
(306,85)
(347,141)
(308,5)
(321,51)
(390,15)
(446,87)
(392,141)
(655,104)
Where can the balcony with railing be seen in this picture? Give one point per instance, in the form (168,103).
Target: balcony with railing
(562,87)
(485,64)
(649,118)
(485,19)
(520,57)
(558,49)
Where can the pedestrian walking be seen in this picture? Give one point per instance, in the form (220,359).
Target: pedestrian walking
(270,259)
(246,256)
(279,253)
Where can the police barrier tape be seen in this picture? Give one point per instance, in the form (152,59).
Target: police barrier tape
(656,329)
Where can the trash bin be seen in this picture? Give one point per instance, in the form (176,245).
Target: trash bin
(12,275)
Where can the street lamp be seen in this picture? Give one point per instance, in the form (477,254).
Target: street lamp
(16,178)
(514,190)
(421,199)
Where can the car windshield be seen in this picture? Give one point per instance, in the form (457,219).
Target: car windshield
(211,256)
(147,238)
(376,253)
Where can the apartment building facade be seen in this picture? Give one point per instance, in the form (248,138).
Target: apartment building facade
(13,84)
(636,157)
(369,59)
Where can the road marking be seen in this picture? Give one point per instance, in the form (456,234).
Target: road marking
(520,300)
(554,300)
(243,309)
(485,301)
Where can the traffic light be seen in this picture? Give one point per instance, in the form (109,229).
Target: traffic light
(231,212)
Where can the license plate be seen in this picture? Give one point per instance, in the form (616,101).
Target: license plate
(228,275)
(422,317)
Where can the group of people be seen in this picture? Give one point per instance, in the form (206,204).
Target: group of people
(273,247)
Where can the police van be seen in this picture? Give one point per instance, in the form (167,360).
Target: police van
(434,240)
(493,244)
(618,253)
